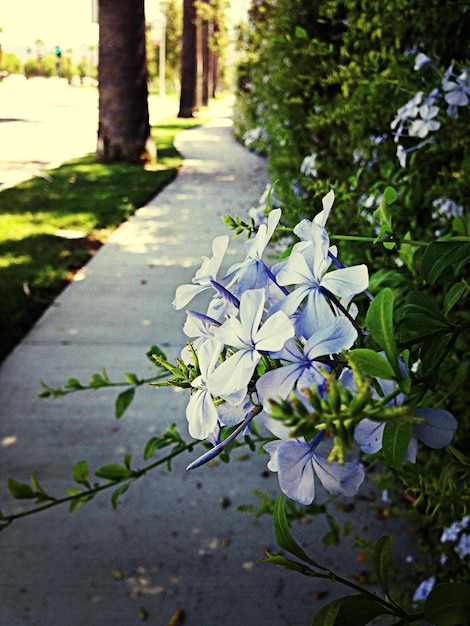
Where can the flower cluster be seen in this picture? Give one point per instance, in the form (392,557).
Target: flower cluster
(274,334)
(417,118)
(454,533)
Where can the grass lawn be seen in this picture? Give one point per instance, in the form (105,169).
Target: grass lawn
(50,228)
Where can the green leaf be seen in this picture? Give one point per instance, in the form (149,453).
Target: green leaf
(80,473)
(357,610)
(440,255)
(300,33)
(395,442)
(97,381)
(74,383)
(448,604)
(20,491)
(154,351)
(78,501)
(371,363)
(281,561)
(36,486)
(379,321)
(123,401)
(462,458)
(117,493)
(381,560)
(113,472)
(384,215)
(434,350)
(453,296)
(153,445)
(326,616)
(282,533)
(132,379)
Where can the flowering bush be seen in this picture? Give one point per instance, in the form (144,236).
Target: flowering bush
(299,353)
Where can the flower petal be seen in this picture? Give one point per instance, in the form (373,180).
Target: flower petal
(338,479)
(368,435)
(439,429)
(295,471)
(201,414)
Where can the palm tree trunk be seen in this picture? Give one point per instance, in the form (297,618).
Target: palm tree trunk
(188,61)
(124,129)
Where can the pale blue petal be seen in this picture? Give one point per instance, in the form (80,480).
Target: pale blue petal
(231,415)
(277,384)
(338,479)
(290,303)
(185,293)
(274,333)
(337,335)
(251,311)
(295,471)
(232,334)
(255,275)
(412,450)
(201,414)
(369,434)
(296,271)
(272,448)
(347,282)
(277,427)
(230,380)
(439,429)
(316,313)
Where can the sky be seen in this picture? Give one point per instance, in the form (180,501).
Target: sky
(66,23)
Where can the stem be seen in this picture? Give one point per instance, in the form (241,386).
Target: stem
(387,239)
(391,608)
(8,519)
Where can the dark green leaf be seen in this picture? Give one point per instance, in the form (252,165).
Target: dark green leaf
(462,458)
(326,616)
(20,491)
(358,611)
(113,472)
(155,351)
(422,323)
(420,302)
(80,473)
(440,255)
(371,363)
(381,560)
(448,604)
(395,442)
(453,296)
(434,350)
(379,321)
(123,401)
(283,535)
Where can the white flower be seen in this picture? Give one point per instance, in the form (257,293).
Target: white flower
(421,127)
(250,337)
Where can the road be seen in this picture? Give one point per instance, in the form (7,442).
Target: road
(45,122)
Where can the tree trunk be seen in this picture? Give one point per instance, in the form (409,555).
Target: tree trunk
(188,61)
(124,129)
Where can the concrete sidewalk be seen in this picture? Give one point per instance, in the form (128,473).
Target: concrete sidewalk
(176,541)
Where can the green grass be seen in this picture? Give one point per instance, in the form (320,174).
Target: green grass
(37,256)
